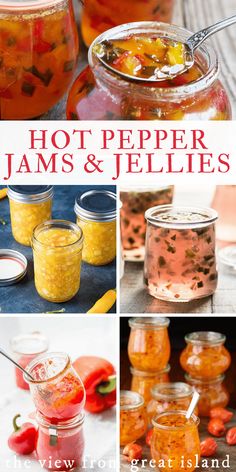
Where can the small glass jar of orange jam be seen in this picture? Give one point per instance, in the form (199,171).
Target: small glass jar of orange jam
(133,418)
(96,215)
(142,382)
(30,205)
(149,344)
(175,443)
(38,50)
(169,396)
(213,393)
(205,355)
(57,249)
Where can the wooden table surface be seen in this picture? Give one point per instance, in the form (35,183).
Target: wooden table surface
(194,15)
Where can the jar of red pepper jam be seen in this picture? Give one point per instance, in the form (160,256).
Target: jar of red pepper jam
(60,447)
(101,93)
(213,393)
(38,55)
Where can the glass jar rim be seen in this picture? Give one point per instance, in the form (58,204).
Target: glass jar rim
(163,93)
(75,422)
(151,216)
(63,224)
(171,390)
(21,338)
(149,322)
(41,358)
(135,400)
(16,5)
(144,373)
(205,338)
(155,423)
(38,193)
(199,381)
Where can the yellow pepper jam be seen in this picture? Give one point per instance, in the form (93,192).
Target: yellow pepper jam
(96,215)
(30,205)
(142,382)
(213,393)
(98,16)
(175,443)
(38,55)
(57,249)
(101,92)
(205,355)
(149,344)
(133,419)
(167,397)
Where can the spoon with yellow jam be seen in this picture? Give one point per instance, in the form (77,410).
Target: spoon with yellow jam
(139,57)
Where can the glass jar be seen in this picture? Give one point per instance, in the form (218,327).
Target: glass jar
(223,203)
(133,419)
(213,393)
(25,348)
(57,444)
(205,355)
(175,442)
(98,17)
(99,94)
(180,261)
(39,48)
(135,202)
(57,248)
(142,382)
(30,205)
(57,390)
(149,344)
(96,215)
(169,396)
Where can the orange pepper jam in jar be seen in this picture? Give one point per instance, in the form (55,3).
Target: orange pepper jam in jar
(98,16)
(96,215)
(38,55)
(205,355)
(149,344)
(30,205)
(142,382)
(169,396)
(101,92)
(56,388)
(57,249)
(175,443)
(133,419)
(213,393)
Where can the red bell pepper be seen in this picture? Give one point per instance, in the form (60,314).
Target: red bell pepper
(99,379)
(23,440)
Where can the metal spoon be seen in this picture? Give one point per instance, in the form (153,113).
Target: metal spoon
(16,364)
(191,44)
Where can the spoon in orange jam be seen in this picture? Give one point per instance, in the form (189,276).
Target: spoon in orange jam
(139,57)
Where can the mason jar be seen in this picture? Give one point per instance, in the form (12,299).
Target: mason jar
(133,417)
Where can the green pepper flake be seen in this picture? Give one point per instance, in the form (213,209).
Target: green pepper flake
(213,277)
(189,253)
(45,77)
(87,87)
(173,237)
(157,239)
(200,284)
(136,229)
(3,222)
(161,261)
(68,66)
(11,41)
(208,240)
(171,249)
(131,240)
(73,116)
(156,9)
(28,89)
(208,257)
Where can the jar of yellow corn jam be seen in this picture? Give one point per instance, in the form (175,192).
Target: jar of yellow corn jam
(30,205)
(96,215)
(57,249)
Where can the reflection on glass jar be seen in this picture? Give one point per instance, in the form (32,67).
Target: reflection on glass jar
(135,202)
(213,393)
(224,203)
(38,50)
(25,348)
(169,396)
(57,248)
(56,388)
(30,205)
(142,382)
(175,442)
(133,419)
(98,17)
(149,344)
(96,215)
(180,263)
(101,94)
(65,442)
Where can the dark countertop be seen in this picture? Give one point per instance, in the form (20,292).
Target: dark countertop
(22,297)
